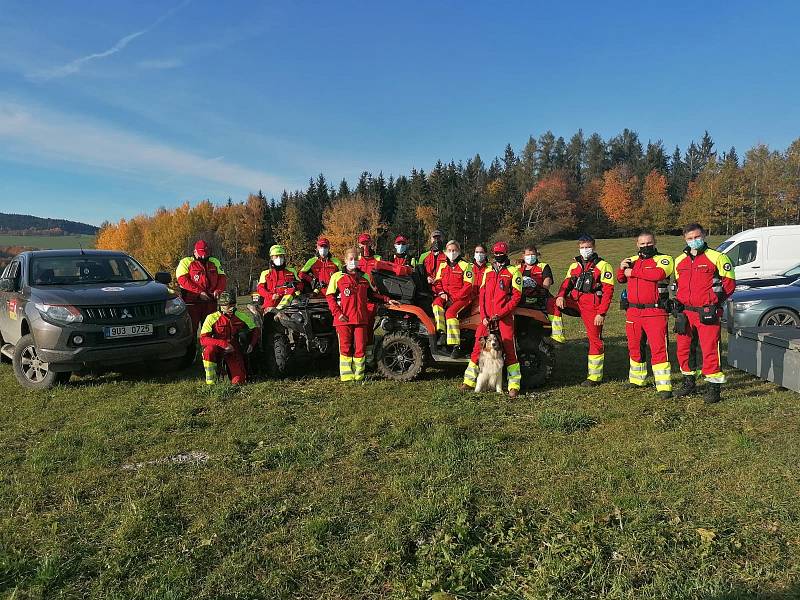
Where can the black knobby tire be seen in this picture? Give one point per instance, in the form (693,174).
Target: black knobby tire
(780,317)
(31,372)
(401,357)
(276,346)
(537,358)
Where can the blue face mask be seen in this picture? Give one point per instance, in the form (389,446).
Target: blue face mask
(531,259)
(400,248)
(696,244)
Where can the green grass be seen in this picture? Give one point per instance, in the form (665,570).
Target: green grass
(317,489)
(47,242)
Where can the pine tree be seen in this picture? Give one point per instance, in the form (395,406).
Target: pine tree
(596,157)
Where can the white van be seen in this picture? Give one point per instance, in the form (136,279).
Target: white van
(763,251)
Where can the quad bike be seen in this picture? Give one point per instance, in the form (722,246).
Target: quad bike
(406,339)
(302,331)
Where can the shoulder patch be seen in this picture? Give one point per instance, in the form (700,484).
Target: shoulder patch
(727,266)
(607,275)
(664,261)
(468,274)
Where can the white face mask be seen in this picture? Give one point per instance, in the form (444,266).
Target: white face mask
(400,248)
(586,252)
(480,257)
(351,265)
(452,255)
(530,259)
(323,251)
(278,261)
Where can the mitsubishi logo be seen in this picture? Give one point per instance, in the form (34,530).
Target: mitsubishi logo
(126,314)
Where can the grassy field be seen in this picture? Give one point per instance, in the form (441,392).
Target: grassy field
(316,489)
(47,242)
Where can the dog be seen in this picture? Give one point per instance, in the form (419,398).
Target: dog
(490,365)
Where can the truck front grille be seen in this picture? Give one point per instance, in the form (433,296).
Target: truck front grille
(124,313)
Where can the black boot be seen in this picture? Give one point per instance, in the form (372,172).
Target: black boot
(665,395)
(688,388)
(590,383)
(712,393)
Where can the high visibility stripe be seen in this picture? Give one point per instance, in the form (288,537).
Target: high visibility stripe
(438,315)
(556,329)
(595,370)
(453,332)
(285,300)
(211,371)
(359,366)
(514,376)
(345,367)
(663,377)
(718,377)
(471,374)
(637,374)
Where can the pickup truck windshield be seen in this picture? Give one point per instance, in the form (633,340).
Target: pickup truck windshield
(80,270)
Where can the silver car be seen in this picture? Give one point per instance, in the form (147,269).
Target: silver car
(776,306)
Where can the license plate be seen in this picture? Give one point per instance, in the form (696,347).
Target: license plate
(121,331)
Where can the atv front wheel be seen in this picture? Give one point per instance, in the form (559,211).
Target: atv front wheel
(537,358)
(401,357)
(276,347)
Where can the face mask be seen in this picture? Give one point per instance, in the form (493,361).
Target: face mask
(365,251)
(323,251)
(452,256)
(696,244)
(351,265)
(202,259)
(480,258)
(400,248)
(647,251)
(278,261)
(501,259)
(435,247)
(228,310)
(531,259)
(586,253)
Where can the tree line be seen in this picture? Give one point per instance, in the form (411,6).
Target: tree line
(552,187)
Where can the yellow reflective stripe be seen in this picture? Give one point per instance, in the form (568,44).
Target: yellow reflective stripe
(285,300)
(216,263)
(345,367)
(718,377)
(183,266)
(359,366)
(438,315)
(211,370)
(471,374)
(514,376)
(453,332)
(263,277)
(208,324)
(309,263)
(595,367)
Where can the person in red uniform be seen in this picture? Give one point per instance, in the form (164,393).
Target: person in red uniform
(349,292)
(401,256)
(479,264)
(500,294)
(590,285)
(537,277)
(221,338)
(431,259)
(201,280)
(368,260)
(279,284)
(454,291)
(705,279)
(647,275)
(319,269)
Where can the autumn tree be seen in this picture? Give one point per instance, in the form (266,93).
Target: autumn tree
(619,197)
(657,212)
(549,207)
(349,216)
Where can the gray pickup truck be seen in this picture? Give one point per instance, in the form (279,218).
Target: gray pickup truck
(63,311)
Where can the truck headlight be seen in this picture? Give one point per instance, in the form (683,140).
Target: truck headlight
(61,313)
(743,306)
(174,306)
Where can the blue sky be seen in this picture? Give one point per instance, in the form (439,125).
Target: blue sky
(113,108)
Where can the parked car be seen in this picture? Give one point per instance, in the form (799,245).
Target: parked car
(763,251)
(777,306)
(785,278)
(63,311)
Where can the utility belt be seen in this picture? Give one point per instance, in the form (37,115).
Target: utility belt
(709,315)
(652,305)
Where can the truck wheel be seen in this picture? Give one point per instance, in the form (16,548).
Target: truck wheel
(536,361)
(401,357)
(277,348)
(31,372)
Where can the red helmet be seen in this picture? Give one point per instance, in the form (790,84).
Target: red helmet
(365,238)
(500,248)
(401,239)
(323,241)
(202,249)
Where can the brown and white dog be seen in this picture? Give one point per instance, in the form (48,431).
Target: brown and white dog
(490,365)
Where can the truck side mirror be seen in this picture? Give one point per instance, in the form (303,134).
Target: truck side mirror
(163,277)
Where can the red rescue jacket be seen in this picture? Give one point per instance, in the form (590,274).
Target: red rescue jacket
(220,329)
(431,262)
(196,276)
(405,260)
(455,280)
(283,281)
(647,284)
(368,264)
(538,272)
(599,298)
(354,291)
(477,275)
(501,292)
(707,278)
(321,269)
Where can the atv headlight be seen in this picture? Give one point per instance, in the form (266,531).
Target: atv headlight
(174,306)
(743,306)
(60,313)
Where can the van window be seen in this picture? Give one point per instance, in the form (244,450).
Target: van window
(781,247)
(744,253)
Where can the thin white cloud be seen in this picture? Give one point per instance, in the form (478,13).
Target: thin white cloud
(38,135)
(160,63)
(77,64)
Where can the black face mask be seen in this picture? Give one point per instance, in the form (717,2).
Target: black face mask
(435,246)
(648,252)
(202,259)
(501,259)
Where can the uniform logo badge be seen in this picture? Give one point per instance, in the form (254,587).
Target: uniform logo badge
(469,274)
(347,291)
(197,277)
(665,261)
(607,275)
(727,266)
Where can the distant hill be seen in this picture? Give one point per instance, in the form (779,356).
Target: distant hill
(30,225)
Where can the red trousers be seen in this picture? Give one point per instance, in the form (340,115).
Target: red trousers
(506,335)
(234,361)
(593,332)
(654,328)
(451,312)
(198,311)
(353,339)
(708,336)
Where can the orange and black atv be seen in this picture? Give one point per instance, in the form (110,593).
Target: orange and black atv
(406,340)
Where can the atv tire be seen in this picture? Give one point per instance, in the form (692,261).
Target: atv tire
(276,347)
(537,358)
(401,357)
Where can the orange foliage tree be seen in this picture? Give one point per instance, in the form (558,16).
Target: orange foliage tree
(347,217)
(657,212)
(549,207)
(618,197)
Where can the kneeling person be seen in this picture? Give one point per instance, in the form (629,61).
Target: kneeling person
(220,338)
